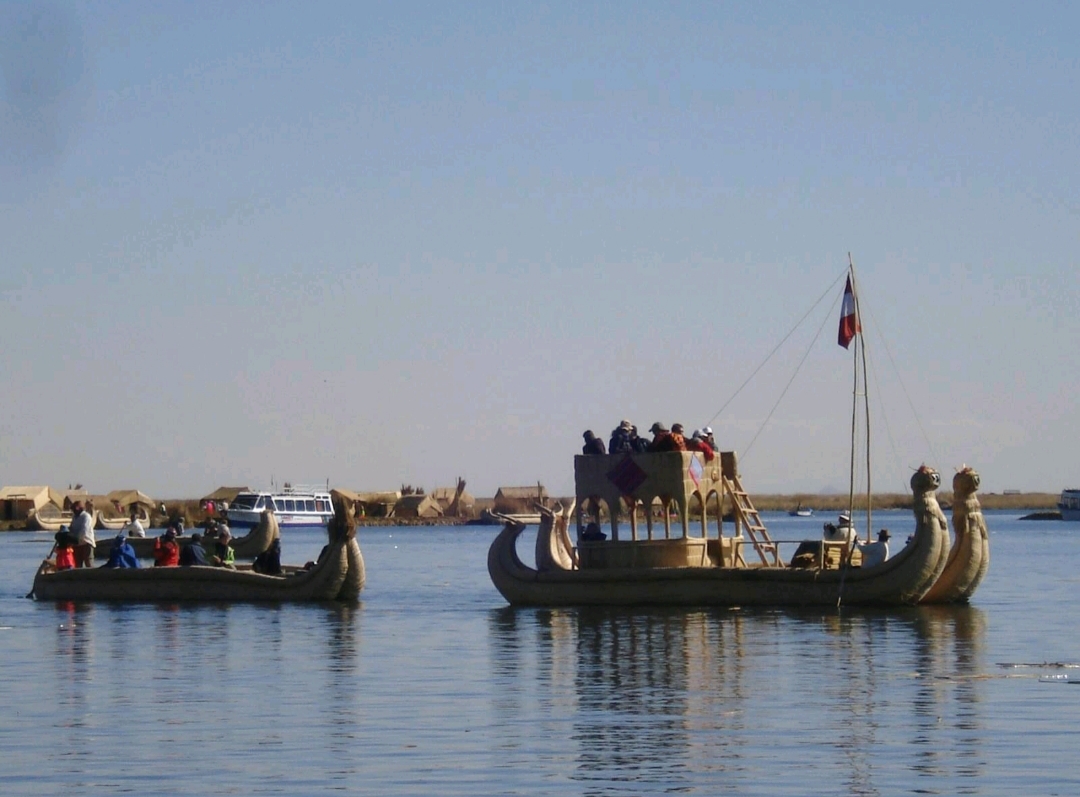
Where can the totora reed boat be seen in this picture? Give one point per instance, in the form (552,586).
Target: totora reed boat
(338,575)
(742,568)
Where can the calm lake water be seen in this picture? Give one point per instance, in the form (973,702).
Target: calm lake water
(432,685)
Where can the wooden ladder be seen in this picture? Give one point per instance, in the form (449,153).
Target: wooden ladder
(768,550)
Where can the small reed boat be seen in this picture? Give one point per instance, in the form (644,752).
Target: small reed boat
(338,575)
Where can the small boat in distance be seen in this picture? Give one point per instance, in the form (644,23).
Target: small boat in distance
(296,506)
(1069,505)
(801,511)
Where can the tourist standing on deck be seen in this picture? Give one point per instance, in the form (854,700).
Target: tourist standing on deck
(698,443)
(593,444)
(661,440)
(708,435)
(82,529)
(620,442)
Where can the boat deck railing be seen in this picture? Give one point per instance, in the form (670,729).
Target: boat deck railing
(682,484)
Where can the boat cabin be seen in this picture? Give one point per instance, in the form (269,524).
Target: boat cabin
(689,491)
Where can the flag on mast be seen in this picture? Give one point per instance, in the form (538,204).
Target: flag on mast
(849,319)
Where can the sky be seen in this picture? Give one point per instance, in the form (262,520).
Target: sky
(379,244)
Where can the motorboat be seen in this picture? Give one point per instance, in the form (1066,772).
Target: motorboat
(296,507)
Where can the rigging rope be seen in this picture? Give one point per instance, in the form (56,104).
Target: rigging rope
(903,387)
(806,354)
(776,348)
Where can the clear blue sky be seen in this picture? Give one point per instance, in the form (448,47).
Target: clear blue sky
(387,243)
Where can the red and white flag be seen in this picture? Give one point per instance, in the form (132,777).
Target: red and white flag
(849,319)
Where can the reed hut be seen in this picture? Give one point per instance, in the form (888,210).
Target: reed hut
(379,504)
(124,500)
(222,495)
(16,503)
(417,506)
(455,501)
(520,500)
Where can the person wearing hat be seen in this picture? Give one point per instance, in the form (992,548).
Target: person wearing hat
(874,553)
(842,531)
(593,444)
(661,440)
(697,442)
(193,553)
(65,549)
(121,554)
(620,441)
(82,530)
(166,551)
(706,432)
(223,554)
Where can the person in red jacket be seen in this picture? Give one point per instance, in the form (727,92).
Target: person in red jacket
(699,443)
(65,550)
(166,551)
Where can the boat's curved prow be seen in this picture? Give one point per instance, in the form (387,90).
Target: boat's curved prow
(969,557)
(554,551)
(343,525)
(259,538)
(508,573)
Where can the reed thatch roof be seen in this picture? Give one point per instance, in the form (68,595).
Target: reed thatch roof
(224,494)
(417,506)
(125,498)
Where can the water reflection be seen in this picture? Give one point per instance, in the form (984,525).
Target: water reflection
(659,698)
(340,710)
(75,661)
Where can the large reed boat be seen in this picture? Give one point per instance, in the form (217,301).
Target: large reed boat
(685,563)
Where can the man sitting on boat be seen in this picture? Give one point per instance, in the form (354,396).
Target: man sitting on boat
(193,553)
(166,551)
(223,554)
(269,561)
(121,554)
(592,533)
(874,553)
(842,531)
(134,528)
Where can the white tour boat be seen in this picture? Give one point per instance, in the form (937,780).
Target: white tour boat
(1070,505)
(296,506)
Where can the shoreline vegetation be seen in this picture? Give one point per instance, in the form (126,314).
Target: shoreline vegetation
(1041,506)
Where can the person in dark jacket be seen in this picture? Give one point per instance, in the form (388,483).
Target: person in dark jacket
(593,444)
(593,533)
(269,561)
(620,442)
(661,440)
(639,445)
(193,553)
